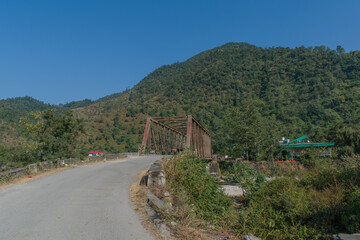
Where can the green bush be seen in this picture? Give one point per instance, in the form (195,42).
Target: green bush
(276,211)
(244,174)
(350,217)
(326,173)
(312,160)
(189,181)
(15,157)
(318,202)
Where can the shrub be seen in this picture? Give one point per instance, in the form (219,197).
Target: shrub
(350,217)
(189,181)
(277,211)
(15,157)
(317,203)
(245,175)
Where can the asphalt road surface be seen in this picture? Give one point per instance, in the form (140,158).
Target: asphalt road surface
(86,202)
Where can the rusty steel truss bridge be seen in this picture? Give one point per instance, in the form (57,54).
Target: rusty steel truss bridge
(164,135)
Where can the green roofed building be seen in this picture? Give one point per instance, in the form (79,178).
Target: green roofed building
(299,146)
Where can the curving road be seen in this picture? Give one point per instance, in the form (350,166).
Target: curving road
(86,202)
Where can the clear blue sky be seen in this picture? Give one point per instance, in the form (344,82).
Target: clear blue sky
(61,51)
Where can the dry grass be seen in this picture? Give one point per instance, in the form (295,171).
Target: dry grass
(139,201)
(327,198)
(188,225)
(45,172)
(29,178)
(183,230)
(189,232)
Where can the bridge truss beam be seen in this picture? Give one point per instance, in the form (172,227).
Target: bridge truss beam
(164,135)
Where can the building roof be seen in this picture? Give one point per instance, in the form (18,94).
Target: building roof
(302,145)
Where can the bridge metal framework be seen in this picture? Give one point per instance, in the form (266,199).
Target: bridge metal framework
(174,134)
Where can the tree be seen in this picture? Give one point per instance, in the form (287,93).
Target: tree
(57,136)
(346,138)
(248,134)
(340,49)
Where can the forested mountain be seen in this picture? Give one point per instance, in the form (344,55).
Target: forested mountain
(12,109)
(306,90)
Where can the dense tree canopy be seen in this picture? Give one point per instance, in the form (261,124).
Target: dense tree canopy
(56,136)
(247,134)
(304,91)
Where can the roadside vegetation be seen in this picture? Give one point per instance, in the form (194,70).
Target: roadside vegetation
(47,136)
(321,200)
(309,200)
(195,191)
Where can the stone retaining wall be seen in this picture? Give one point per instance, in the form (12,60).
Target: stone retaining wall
(110,156)
(46,165)
(115,156)
(14,173)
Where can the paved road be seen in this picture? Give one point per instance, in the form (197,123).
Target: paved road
(86,202)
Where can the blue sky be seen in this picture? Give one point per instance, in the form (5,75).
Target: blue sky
(61,51)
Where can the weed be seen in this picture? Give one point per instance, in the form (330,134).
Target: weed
(194,190)
(312,202)
(318,202)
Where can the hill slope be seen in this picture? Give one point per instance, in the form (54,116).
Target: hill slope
(306,90)
(12,109)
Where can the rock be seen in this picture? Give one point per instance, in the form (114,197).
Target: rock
(156,177)
(46,165)
(33,168)
(114,156)
(341,236)
(249,236)
(214,168)
(71,161)
(233,190)
(164,230)
(60,163)
(152,214)
(144,180)
(14,173)
(156,202)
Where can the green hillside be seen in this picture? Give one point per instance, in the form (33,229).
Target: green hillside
(12,109)
(305,90)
